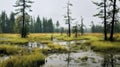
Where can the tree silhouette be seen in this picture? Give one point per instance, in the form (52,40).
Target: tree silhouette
(69,18)
(105,22)
(22,6)
(113,21)
(82,25)
(57,25)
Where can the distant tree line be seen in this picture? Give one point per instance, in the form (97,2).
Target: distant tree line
(41,26)
(100,28)
(7,23)
(12,24)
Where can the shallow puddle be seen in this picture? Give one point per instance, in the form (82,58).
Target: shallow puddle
(36,45)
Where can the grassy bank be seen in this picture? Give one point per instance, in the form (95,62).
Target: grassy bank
(11,50)
(32,60)
(109,47)
(16,39)
(97,43)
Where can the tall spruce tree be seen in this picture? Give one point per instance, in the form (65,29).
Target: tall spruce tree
(32,26)
(92,27)
(107,14)
(57,25)
(22,6)
(11,23)
(105,21)
(4,19)
(113,20)
(51,26)
(82,25)
(38,25)
(68,17)
(0,25)
(62,30)
(45,25)
(102,14)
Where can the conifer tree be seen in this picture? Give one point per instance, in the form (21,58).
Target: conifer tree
(22,6)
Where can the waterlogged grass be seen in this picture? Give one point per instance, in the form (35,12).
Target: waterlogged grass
(10,50)
(16,39)
(12,39)
(95,40)
(57,47)
(97,43)
(39,37)
(90,37)
(20,56)
(32,60)
(64,37)
(109,47)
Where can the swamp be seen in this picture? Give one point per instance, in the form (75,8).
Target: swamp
(59,33)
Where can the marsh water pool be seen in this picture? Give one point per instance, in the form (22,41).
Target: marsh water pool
(80,58)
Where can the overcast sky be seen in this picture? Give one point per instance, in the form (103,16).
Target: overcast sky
(56,9)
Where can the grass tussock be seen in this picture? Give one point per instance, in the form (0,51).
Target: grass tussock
(57,47)
(32,60)
(103,46)
(10,49)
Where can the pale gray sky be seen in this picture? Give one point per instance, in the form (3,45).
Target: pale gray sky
(55,9)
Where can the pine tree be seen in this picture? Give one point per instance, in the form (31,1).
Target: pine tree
(81,28)
(107,14)
(113,20)
(22,5)
(102,14)
(7,24)
(45,25)
(57,25)
(105,21)
(0,25)
(32,26)
(11,23)
(62,30)
(92,27)
(51,26)
(3,21)
(68,17)
(38,25)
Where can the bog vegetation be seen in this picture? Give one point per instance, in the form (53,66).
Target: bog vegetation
(26,41)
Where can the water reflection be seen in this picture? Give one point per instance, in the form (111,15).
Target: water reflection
(3,58)
(69,51)
(82,58)
(111,60)
(36,45)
